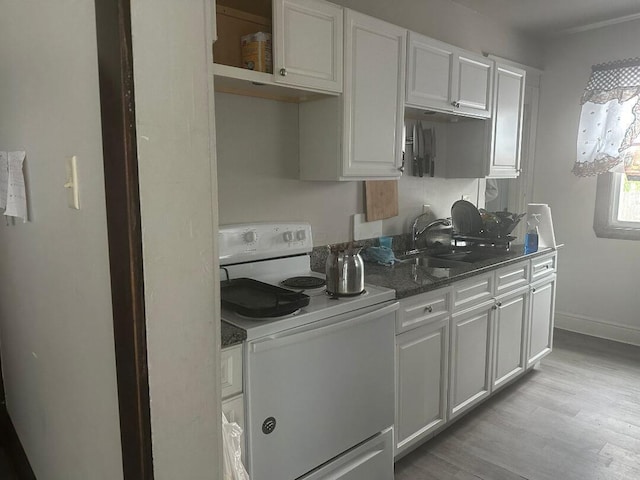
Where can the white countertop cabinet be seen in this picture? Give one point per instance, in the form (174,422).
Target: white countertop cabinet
(457,345)
(447,79)
(471,352)
(543,295)
(510,320)
(422,377)
(359,135)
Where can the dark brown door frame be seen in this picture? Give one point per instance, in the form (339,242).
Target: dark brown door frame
(115,65)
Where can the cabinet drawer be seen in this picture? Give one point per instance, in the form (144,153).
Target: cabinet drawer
(512,277)
(423,309)
(543,266)
(231,361)
(472,291)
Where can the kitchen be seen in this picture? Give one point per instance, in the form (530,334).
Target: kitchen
(566,67)
(278,194)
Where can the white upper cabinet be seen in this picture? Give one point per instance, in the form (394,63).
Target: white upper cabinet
(358,135)
(472,85)
(308,44)
(504,158)
(429,73)
(445,78)
(373,96)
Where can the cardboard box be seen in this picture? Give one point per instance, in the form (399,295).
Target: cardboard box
(256,52)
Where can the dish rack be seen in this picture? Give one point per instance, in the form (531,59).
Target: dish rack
(497,243)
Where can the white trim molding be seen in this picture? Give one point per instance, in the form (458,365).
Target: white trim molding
(597,328)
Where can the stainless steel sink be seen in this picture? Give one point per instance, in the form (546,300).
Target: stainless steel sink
(433,262)
(466,256)
(447,259)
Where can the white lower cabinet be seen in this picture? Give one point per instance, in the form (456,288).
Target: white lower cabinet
(421,375)
(543,295)
(510,326)
(232,396)
(457,345)
(471,342)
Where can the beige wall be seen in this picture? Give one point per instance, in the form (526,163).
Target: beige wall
(598,278)
(258,173)
(173,110)
(55,303)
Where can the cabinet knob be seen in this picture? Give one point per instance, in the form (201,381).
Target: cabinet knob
(533,290)
(495,307)
(456,104)
(428,309)
(283,72)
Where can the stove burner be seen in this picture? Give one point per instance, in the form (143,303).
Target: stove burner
(304,282)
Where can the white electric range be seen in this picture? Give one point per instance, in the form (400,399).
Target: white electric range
(319,380)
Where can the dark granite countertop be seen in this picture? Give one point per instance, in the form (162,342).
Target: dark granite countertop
(231,335)
(408,279)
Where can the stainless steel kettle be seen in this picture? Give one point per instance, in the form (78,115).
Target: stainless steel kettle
(345,270)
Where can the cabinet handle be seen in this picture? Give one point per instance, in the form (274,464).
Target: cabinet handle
(456,104)
(428,309)
(401,167)
(283,72)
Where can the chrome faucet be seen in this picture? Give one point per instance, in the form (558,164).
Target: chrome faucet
(416,234)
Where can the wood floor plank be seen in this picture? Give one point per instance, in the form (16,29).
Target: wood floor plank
(575,418)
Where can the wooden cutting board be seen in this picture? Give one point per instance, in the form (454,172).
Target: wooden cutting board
(381,197)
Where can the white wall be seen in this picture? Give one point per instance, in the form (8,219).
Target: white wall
(598,278)
(177,189)
(56,323)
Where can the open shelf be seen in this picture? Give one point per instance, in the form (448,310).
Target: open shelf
(240,81)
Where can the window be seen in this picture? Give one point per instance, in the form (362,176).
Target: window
(617,213)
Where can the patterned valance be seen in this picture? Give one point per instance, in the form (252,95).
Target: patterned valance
(609,131)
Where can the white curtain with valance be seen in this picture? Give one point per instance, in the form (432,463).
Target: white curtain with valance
(609,130)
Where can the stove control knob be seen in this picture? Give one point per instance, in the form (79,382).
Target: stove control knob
(250,237)
(301,235)
(288,236)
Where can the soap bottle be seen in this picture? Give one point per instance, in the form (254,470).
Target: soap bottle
(531,237)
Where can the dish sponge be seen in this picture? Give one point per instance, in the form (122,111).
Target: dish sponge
(379,255)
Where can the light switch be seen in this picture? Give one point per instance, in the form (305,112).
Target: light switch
(73,199)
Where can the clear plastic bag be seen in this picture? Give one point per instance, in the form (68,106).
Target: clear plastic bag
(233,469)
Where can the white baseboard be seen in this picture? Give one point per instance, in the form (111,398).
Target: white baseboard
(597,328)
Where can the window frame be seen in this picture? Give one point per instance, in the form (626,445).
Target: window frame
(605,221)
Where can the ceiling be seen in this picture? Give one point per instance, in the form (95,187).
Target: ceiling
(552,17)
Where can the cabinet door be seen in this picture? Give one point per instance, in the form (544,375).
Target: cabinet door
(471,345)
(507,122)
(233,409)
(429,73)
(543,296)
(373,97)
(510,322)
(421,373)
(308,44)
(472,85)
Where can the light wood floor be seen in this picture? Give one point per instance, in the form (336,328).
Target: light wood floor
(576,418)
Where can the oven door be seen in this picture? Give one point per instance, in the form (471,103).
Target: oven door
(316,391)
